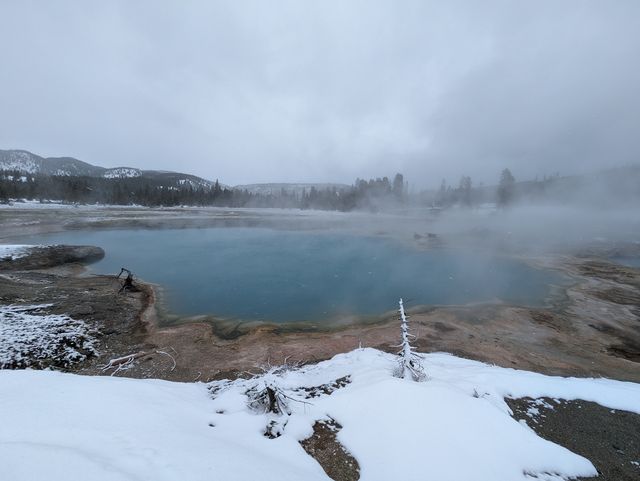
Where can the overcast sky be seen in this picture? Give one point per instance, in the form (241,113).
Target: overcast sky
(325,91)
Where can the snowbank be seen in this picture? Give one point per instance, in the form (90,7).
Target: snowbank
(65,427)
(455,426)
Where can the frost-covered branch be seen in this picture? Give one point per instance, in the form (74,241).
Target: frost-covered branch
(127,362)
(266,394)
(167,354)
(122,363)
(409,361)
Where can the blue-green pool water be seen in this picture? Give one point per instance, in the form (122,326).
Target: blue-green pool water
(273,275)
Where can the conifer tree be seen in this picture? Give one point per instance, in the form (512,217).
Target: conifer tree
(506,188)
(409,361)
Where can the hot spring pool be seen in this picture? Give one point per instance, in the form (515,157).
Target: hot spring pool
(281,276)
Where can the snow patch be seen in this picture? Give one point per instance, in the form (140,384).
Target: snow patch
(12,252)
(195,184)
(31,338)
(15,178)
(121,173)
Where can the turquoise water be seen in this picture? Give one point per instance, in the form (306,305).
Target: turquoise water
(264,274)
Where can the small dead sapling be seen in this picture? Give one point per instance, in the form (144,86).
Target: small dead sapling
(409,362)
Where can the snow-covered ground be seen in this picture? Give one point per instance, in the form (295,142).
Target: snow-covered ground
(31,337)
(15,251)
(454,426)
(17,204)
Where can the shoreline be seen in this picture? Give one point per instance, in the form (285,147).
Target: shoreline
(448,328)
(566,337)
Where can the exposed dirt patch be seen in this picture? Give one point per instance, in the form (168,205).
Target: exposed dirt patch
(440,327)
(629,350)
(325,448)
(550,319)
(324,389)
(609,438)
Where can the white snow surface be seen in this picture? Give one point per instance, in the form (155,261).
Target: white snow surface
(14,251)
(59,426)
(27,204)
(195,184)
(121,173)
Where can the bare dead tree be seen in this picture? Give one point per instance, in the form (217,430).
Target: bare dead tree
(409,362)
(128,281)
(266,394)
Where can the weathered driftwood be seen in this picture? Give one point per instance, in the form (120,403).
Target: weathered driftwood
(125,362)
(118,361)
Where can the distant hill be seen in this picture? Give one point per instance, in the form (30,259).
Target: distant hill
(289,188)
(66,178)
(28,163)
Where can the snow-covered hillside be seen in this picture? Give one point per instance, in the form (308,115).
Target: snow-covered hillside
(454,426)
(121,173)
(195,183)
(19,160)
(28,163)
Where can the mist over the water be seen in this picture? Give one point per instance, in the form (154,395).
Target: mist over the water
(541,228)
(257,92)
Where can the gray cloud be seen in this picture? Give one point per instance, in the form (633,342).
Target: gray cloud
(324,91)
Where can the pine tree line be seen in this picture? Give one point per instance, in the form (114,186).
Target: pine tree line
(160,192)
